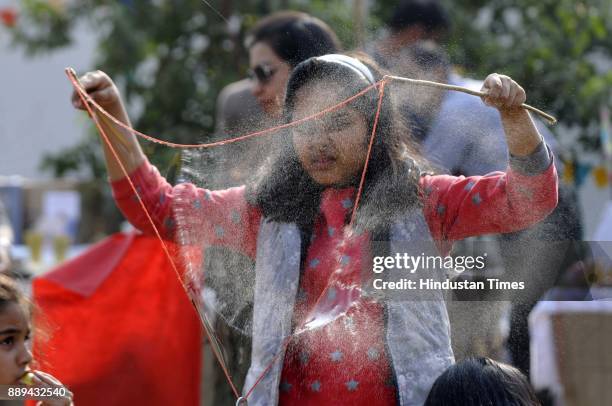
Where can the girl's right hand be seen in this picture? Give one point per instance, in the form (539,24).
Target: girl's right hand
(101,89)
(121,149)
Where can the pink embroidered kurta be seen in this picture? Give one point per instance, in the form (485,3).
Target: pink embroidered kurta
(345,360)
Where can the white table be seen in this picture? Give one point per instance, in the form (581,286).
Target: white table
(545,371)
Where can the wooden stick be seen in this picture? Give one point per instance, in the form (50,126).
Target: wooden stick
(546,116)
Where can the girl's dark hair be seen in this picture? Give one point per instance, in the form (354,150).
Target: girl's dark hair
(481,381)
(294,36)
(286,193)
(10,293)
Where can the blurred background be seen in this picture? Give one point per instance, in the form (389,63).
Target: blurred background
(172,58)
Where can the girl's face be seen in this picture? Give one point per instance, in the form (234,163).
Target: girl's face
(332,148)
(15,354)
(269,77)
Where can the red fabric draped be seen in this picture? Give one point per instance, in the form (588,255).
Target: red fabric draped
(121,329)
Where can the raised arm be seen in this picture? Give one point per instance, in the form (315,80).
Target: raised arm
(188,214)
(203,216)
(458,207)
(103,91)
(506,95)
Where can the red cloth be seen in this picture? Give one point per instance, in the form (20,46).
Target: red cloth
(127,335)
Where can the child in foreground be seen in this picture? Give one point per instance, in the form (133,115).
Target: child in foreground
(482,381)
(15,354)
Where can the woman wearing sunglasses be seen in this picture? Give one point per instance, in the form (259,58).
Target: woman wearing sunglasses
(276,45)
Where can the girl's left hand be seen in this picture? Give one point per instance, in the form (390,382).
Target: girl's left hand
(44,380)
(503,93)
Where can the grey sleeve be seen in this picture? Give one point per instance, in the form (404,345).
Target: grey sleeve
(535,163)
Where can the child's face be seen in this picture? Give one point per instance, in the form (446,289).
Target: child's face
(15,352)
(333,147)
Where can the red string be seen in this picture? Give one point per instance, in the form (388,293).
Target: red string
(194,297)
(84,94)
(265,371)
(381,92)
(86,99)
(334,277)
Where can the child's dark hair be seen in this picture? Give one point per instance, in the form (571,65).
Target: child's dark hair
(10,293)
(286,193)
(479,382)
(294,36)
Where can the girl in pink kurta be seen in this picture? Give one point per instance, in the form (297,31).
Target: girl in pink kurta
(312,185)
(326,368)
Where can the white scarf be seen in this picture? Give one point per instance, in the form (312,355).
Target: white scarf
(417,331)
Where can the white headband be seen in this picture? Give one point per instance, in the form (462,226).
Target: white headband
(354,64)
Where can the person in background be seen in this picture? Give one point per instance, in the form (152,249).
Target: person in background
(276,44)
(410,22)
(481,381)
(446,121)
(460,136)
(238,112)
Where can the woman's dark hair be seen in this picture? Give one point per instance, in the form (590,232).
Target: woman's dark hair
(294,36)
(481,382)
(10,293)
(286,193)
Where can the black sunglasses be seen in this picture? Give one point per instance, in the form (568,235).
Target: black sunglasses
(262,73)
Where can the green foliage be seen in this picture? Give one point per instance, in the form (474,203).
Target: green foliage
(52,27)
(171,58)
(549,46)
(83,157)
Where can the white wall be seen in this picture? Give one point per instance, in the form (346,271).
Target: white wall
(36,116)
(593,202)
